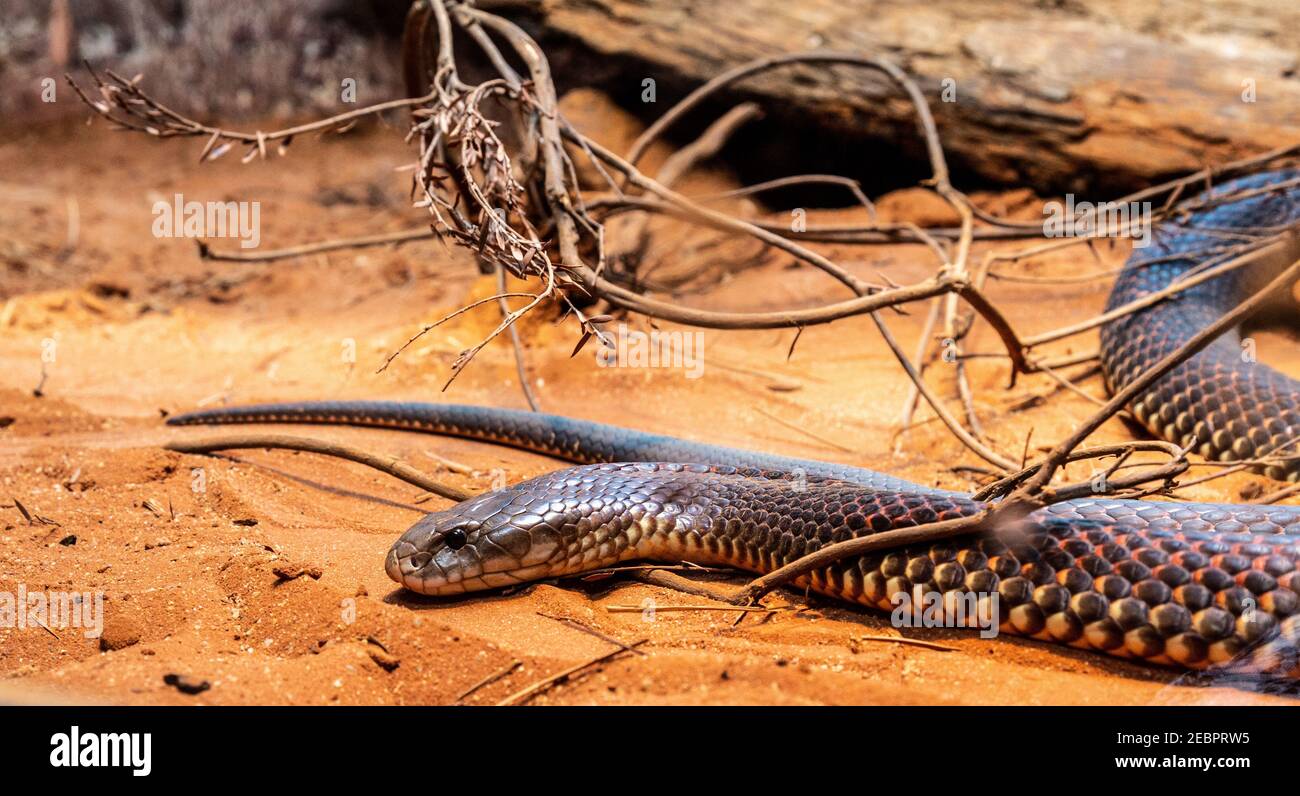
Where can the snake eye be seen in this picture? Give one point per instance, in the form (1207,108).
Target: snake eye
(455,539)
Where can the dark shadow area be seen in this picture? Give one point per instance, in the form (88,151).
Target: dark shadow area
(783,143)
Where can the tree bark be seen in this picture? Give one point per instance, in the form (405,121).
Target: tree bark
(1057,95)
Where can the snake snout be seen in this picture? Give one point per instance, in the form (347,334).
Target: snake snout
(483,543)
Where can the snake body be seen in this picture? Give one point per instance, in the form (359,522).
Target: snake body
(1220,402)
(1192,585)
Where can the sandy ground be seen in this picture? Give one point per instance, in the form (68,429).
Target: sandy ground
(127,327)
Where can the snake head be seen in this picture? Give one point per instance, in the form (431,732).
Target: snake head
(489,541)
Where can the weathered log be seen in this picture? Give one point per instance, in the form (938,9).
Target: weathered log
(1048,94)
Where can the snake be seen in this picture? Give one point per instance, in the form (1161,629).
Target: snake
(1195,586)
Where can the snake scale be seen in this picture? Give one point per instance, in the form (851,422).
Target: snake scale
(1191,585)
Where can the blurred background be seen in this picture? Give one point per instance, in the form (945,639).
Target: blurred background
(1049,94)
(208,56)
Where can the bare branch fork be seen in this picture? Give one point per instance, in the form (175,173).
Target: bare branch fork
(127,107)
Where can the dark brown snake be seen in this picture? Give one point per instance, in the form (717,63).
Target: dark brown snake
(1192,585)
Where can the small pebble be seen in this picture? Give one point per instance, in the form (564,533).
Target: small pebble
(292,571)
(186,684)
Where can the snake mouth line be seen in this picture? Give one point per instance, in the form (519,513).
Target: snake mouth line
(426,577)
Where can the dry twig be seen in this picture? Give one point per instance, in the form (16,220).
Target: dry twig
(387,464)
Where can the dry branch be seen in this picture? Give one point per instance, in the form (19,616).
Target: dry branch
(1048,93)
(387,464)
